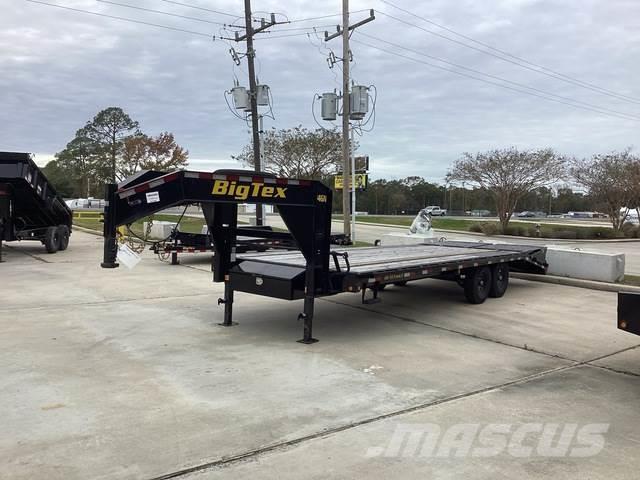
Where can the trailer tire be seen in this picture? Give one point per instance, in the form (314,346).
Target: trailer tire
(63,234)
(400,284)
(499,280)
(477,284)
(52,239)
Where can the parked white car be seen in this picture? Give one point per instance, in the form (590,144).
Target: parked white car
(436,211)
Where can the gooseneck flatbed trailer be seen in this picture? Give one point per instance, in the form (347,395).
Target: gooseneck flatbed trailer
(313,270)
(30,208)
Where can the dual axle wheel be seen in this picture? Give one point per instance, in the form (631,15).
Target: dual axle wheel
(483,282)
(56,238)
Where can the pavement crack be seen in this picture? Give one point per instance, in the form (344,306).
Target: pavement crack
(526,348)
(102,302)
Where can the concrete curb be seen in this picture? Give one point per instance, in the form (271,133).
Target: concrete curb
(575,282)
(86,230)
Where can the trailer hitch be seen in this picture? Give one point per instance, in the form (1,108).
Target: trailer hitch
(345,256)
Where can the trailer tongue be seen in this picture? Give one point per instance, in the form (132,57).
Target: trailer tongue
(313,270)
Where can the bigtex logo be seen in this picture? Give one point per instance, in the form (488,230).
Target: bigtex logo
(242,192)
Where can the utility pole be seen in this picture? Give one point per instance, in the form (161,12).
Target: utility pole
(347,174)
(346,149)
(253,96)
(253,91)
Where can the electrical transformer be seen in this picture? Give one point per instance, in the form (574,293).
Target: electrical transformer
(358,102)
(240,98)
(262,95)
(329,106)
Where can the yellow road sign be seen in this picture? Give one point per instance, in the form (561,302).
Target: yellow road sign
(361,180)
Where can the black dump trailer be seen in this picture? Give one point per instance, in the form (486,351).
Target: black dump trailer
(314,269)
(30,208)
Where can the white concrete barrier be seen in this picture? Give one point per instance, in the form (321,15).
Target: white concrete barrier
(405,239)
(159,229)
(585,264)
(563,262)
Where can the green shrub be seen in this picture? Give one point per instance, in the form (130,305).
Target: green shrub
(583,234)
(630,230)
(476,227)
(518,230)
(565,234)
(490,228)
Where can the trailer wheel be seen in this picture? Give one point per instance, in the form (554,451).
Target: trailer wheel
(499,280)
(477,285)
(52,239)
(400,284)
(63,236)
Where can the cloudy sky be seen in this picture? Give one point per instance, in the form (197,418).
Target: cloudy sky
(59,67)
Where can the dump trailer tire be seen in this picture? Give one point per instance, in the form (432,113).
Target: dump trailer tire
(63,234)
(499,280)
(52,239)
(477,284)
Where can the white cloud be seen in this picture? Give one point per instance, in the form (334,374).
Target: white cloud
(60,67)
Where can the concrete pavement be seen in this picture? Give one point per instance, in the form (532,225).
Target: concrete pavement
(116,374)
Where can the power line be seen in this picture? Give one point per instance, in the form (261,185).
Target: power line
(496,77)
(623,116)
(490,47)
(267,37)
(311,28)
(124,19)
(520,64)
(160,12)
(326,16)
(201,8)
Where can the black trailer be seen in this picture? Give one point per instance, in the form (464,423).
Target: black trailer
(314,270)
(30,208)
(183,242)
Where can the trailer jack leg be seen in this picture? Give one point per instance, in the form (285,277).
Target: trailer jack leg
(373,299)
(174,258)
(307,318)
(228,306)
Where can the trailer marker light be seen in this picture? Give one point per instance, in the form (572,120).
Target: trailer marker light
(623,325)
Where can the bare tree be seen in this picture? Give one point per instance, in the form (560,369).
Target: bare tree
(612,179)
(298,153)
(509,174)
